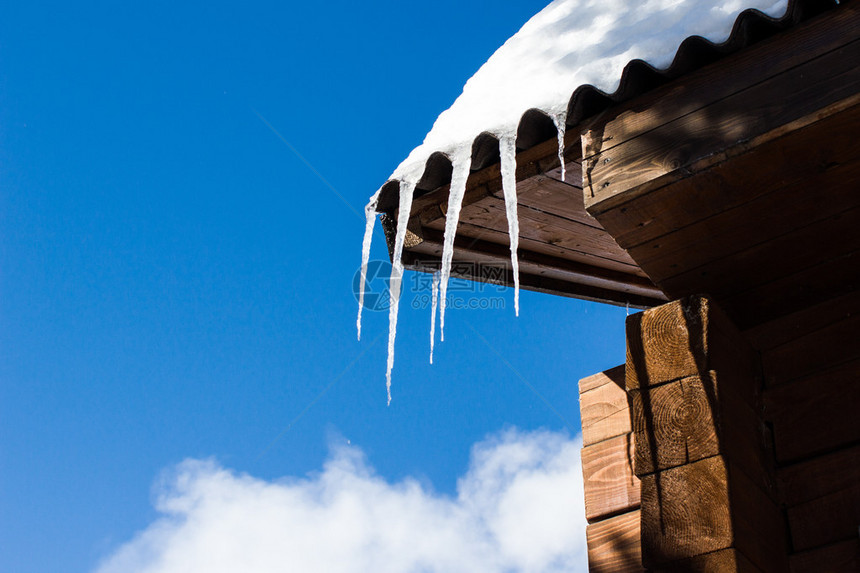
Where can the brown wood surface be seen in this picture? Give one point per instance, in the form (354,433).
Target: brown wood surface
(707,506)
(566,248)
(614,545)
(792,326)
(825,520)
(832,278)
(619,287)
(489,213)
(721,79)
(669,147)
(612,376)
(820,476)
(739,175)
(610,486)
(604,407)
(815,414)
(827,347)
(685,512)
(687,337)
(723,561)
(738,229)
(552,196)
(694,418)
(778,257)
(843,557)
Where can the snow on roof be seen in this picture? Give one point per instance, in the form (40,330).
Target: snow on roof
(567,45)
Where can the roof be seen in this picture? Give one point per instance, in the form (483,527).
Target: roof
(558,234)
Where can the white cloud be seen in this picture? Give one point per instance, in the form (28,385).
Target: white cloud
(519,507)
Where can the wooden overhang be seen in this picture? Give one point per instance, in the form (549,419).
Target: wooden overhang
(573,234)
(742,181)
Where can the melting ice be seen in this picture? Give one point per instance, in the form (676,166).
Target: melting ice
(462,162)
(508,151)
(405,207)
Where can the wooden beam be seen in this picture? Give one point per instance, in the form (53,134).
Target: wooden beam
(841,557)
(721,79)
(650,154)
(614,545)
(688,338)
(604,406)
(706,481)
(704,507)
(816,414)
(610,486)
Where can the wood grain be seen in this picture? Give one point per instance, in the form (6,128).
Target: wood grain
(825,520)
(843,557)
(614,545)
(672,147)
(684,338)
(604,407)
(612,376)
(610,486)
(816,414)
(685,512)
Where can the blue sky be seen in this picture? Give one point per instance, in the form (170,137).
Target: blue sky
(176,283)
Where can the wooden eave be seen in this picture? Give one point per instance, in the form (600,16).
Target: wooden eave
(742,181)
(569,243)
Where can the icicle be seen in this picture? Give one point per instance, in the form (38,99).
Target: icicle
(406,189)
(560,121)
(508,151)
(434,303)
(462,162)
(370,215)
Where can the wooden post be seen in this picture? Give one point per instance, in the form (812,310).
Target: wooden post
(707,487)
(611,489)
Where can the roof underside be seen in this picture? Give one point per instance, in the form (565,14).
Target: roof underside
(562,249)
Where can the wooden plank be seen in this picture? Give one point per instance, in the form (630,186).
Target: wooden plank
(777,213)
(771,260)
(684,338)
(695,418)
(489,213)
(834,277)
(610,486)
(828,519)
(816,414)
(704,507)
(614,545)
(566,249)
(604,409)
(723,561)
(821,349)
(743,173)
(841,557)
(667,150)
(685,512)
(721,79)
(474,249)
(493,270)
(551,196)
(612,376)
(578,242)
(784,329)
(817,477)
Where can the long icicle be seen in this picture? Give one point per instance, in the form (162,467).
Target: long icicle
(370,215)
(406,189)
(560,121)
(462,162)
(508,151)
(434,304)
